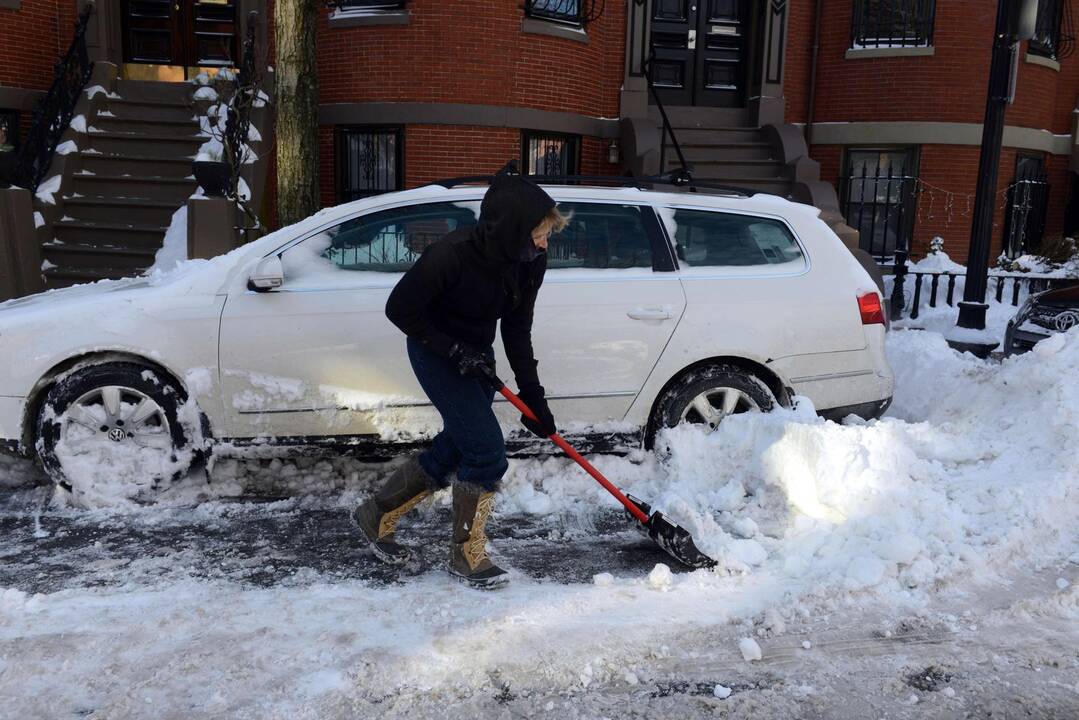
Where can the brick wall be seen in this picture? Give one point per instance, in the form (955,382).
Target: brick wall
(31,44)
(948,86)
(451,52)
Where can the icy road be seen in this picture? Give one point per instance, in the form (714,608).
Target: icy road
(921,566)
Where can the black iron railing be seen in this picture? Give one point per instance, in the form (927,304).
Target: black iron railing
(243,99)
(684,175)
(879,204)
(574,12)
(54,111)
(911,288)
(892,23)
(1028,203)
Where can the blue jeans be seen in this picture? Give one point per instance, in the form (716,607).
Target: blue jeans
(471,440)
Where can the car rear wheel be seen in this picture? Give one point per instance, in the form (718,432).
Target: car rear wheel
(706,395)
(114,432)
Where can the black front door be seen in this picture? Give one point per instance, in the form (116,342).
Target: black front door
(187,33)
(700,49)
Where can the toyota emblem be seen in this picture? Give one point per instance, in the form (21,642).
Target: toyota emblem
(117,435)
(1066,320)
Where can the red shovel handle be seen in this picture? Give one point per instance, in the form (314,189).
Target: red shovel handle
(576,456)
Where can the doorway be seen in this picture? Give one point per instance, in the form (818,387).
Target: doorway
(701,50)
(171,39)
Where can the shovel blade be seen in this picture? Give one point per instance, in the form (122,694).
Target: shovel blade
(674,540)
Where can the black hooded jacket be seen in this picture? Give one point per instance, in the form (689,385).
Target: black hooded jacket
(463,284)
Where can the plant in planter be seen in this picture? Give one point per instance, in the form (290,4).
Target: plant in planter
(212,173)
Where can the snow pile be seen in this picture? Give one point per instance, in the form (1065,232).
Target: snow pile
(951,484)
(173,249)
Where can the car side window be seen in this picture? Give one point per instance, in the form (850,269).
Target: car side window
(600,235)
(705,238)
(388,241)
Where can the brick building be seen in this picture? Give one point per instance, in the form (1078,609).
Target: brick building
(872,111)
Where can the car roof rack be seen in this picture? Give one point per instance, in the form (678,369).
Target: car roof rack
(677,178)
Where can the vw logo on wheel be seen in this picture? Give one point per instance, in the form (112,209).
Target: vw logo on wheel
(1065,321)
(117,435)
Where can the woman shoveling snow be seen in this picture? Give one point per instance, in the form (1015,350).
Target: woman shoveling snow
(448,304)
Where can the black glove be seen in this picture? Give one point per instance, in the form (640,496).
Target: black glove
(534,398)
(472,363)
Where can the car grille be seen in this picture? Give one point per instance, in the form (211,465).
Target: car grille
(1046,316)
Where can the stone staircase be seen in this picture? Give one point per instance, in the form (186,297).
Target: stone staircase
(722,147)
(131,172)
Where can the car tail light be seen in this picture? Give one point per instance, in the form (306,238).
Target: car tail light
(869,307)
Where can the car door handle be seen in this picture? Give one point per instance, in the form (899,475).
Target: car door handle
(649,313)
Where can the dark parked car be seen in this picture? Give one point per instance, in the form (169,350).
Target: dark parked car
(1042,315)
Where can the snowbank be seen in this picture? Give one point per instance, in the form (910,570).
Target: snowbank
(970,477)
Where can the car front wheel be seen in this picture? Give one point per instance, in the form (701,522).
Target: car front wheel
(114,432)
(706,395)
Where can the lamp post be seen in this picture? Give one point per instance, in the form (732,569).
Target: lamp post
(1015,21)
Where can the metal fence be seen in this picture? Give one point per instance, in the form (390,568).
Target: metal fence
(880,206)
(914,290)
(892,23)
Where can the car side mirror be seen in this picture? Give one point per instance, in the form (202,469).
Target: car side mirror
(268,275)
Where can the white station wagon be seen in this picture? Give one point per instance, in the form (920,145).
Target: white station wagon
(658,308)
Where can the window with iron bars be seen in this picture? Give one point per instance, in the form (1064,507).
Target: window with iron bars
(568,11)
(878,194)
(550,153)
(369,161)
(1028,202)
(1053,34)
(892,23)
(369,4)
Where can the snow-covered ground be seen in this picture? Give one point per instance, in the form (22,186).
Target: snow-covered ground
(922,565)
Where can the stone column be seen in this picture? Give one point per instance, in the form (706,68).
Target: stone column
(20,253)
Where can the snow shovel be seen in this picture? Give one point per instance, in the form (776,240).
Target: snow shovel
(673,539)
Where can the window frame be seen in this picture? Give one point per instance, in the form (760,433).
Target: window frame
(554,16)
(859,30)
(912,169)
(340,165)
(663,260)
(528,135)
(699,272)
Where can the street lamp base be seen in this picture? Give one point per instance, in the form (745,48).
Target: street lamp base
(977,349)
(972,315)
(969,334)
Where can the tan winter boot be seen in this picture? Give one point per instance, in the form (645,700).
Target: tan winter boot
(468,549)
(377,517)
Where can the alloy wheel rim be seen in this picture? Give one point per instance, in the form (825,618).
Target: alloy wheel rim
(712,405)
(117,415)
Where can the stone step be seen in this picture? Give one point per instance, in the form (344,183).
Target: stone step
(89,256)
(716,134)
(155,91)
(773,185)
(726,151)
(142,165)
(136,211)
(110,234)
(178,146)
(124,108)
(730,168)
(175,190)
(147,126)
(61,277)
